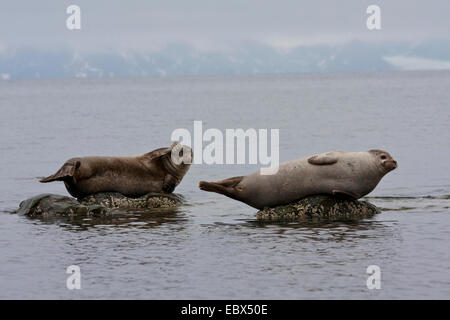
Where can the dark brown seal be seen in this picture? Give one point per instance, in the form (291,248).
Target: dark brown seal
(135,176)
(346,174)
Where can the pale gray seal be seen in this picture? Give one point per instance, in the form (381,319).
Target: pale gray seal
(346,174)
(133,176)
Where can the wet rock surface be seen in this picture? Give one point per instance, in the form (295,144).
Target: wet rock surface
(319,207)
(101,204)
(116,200)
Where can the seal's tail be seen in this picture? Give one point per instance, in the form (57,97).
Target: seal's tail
(225,187)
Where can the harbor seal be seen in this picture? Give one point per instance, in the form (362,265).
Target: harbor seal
(134,176)
(345,174)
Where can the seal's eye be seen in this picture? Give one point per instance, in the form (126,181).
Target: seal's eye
(383,157)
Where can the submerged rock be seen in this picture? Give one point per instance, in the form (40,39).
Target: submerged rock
(100,204)
(319,207)
(57,205)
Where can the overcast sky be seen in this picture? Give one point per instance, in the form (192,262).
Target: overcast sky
(216,25)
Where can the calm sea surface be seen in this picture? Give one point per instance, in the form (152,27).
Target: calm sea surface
(213,247)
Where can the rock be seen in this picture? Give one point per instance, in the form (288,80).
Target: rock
(57,205)
(116,200)
(319,207)
(101,204)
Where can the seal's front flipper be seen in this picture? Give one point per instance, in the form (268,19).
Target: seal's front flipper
(66,171)
(169,184)
(155,154)
(345,194)
(225,187)
(323,159)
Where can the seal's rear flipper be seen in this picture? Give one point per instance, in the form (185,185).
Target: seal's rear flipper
(66,171)
(225,187)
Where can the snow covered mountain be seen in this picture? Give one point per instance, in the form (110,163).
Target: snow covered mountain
(251,59)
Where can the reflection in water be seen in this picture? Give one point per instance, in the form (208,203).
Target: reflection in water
(151,218)
(322,231)
(140,219)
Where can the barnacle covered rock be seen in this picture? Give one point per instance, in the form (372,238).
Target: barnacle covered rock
(319,207)
(116,200)
(94,205)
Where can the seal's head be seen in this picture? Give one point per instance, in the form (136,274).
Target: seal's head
(178,161)
(384,160)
